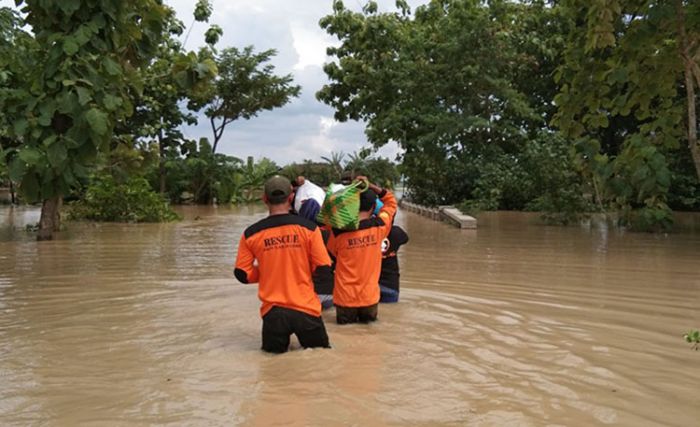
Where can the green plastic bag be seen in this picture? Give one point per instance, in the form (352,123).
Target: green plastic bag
(341,210)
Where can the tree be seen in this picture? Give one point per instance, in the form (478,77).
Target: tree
(391,70)
(206,170)
(335,161)
(254,175)
(246,85)
(379,170)
(17,49)
(172,77)
(358,161)
(626,66)
(64,108)
(79,81)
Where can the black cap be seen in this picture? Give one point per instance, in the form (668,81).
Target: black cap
(346,177)
(277,189)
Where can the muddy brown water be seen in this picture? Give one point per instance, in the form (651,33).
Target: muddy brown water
(512,324)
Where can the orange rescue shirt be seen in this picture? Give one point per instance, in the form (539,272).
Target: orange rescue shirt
(288,248)
(358,256)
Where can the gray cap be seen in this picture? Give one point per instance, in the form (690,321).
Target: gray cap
(277,189)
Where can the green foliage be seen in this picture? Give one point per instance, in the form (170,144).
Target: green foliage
(482,136)
(252,179)
(320,173)
(335,162)
(213,34)
(132,201)
(693,337)
(541,178)
(378,169)
(200,176)
(621,103)
(173,77)
(72,85)
(203,10)
(245,86)
(203,177)
(76,81)
(462,136)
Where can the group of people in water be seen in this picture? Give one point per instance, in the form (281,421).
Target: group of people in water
(303,267)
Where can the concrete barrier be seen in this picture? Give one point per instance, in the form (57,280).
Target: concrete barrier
(447,213)
(454,215)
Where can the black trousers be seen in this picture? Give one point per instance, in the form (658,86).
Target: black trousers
(280,323)
(366,314)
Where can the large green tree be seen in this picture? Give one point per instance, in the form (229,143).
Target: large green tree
(628,99)
(63,109)
(459,85)
(79,80)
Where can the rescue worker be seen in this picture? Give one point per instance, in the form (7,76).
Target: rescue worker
(281,252)
(358,255)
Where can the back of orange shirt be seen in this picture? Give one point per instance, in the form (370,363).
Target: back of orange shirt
(358,256)
(288,248)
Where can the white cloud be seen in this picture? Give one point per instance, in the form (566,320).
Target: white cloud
(326,124)
(304,128)
(310,45)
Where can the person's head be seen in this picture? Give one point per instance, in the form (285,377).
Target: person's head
(346,177)
(278,191)
(368,200)
(309,209)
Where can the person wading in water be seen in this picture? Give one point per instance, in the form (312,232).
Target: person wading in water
(389,278)
(288,250)
(358,255)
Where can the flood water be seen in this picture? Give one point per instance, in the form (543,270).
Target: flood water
(513,324)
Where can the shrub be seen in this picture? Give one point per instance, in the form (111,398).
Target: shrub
(132,201)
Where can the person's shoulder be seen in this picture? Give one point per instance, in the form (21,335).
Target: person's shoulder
(279,221)
(364,225)
(304,222)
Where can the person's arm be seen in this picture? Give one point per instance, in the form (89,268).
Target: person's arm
(318,252)
(331,244)
(387,212)
(321,271)
(245,271)
(399,236)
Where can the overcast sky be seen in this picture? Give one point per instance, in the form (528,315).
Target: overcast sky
(304,128)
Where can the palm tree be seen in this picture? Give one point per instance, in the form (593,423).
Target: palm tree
(335,161)
(357,161)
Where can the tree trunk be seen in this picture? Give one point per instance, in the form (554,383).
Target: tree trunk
(50,218)
(217,135)
(161,162)
(13,197)
(689,88)
(692,120)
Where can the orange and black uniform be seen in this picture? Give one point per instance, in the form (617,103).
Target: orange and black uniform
(358,256)
(288,249)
